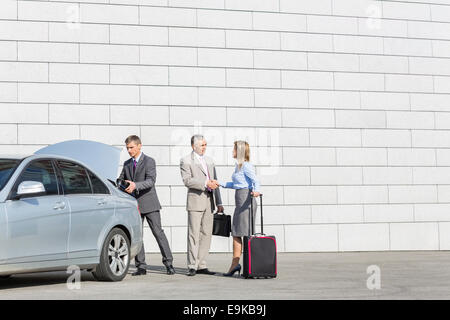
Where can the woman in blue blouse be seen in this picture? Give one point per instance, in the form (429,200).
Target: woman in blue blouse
(247,188)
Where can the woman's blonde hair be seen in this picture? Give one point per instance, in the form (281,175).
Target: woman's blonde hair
(242,152)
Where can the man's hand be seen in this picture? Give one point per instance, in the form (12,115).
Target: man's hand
(219,209)
(212,184)
(216,183)
(131,187)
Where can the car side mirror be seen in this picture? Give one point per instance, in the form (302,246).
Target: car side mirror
(30,188)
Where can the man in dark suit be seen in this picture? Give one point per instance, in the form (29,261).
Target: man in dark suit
(140,172)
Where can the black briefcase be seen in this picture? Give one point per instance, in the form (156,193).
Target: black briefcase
(222,225)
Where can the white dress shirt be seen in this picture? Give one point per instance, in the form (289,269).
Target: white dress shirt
(202,161)
(139,157)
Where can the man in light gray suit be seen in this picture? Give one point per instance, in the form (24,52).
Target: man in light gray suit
(199,176)
(140,172)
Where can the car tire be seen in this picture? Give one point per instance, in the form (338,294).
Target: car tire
(114,258)
(5,277)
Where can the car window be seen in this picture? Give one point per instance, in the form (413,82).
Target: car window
(97,185)
(40,171)
(75,179)
(7,168)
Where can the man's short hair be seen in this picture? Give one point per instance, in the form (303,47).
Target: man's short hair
(195,138)
(133,138)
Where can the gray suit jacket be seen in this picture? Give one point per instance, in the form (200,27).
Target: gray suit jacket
(145,179)
(194,179)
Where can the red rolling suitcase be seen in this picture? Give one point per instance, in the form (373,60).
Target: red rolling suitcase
(260,252)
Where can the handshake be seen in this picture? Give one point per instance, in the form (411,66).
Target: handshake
(212,184)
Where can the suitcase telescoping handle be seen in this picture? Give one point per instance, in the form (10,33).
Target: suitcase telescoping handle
(251,215)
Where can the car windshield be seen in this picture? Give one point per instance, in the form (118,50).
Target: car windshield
(7,167)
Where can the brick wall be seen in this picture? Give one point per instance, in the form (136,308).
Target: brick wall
(346,105)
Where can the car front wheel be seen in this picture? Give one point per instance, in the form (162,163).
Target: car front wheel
(114,258)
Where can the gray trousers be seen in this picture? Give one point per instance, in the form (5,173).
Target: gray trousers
(200,226)
(154,221)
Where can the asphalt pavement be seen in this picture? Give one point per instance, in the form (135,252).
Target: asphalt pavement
(351,275)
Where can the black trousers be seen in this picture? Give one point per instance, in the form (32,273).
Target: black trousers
(154,221)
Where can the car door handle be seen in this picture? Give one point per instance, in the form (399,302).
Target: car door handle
(59,206)
(101,202)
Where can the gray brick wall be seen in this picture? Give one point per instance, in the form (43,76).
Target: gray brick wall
(346,104)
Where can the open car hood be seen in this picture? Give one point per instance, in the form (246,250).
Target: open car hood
(103,159)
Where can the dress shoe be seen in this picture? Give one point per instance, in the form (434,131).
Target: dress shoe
(205,271)
(235,269)
(170,270)
(139,272)
(191,272)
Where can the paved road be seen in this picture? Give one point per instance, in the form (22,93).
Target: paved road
(404,275)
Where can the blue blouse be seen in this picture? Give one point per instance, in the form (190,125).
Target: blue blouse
(244,178)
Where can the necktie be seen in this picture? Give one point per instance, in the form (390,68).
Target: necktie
(134,166)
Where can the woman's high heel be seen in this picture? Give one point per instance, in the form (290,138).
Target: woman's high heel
(231,273)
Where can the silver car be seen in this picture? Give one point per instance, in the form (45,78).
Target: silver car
(56,212)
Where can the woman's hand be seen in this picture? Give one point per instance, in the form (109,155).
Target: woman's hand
(255,194)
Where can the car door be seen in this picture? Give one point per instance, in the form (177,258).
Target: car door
(3,237)
(91,207)
(37,226)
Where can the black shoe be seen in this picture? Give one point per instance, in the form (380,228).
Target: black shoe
(235,269)
(191,272)
(205,271)
(139,272)
(170,270)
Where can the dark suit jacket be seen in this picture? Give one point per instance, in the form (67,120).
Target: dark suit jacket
(145,179)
